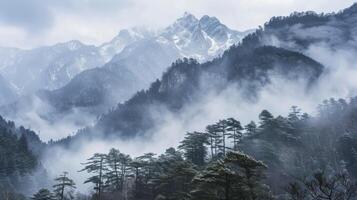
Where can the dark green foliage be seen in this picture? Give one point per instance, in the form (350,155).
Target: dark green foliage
(118,168)
(97,166)
(234,129)
(321,186)
(63,189)
(237,176)
(17,160)
(207,167)
(174,180)
(194,147)
(251,128)
(6,194)
(182,84)
(266,119)
(43,194)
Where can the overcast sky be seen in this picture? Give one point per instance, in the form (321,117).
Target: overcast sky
(32,23)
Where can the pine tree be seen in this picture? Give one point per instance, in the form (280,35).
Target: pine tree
(137,166)
(64,185)
(222,129)
(295,114)
(43,194)
(237,176)
(266,119)
(96,165)
(174,181)
(194,147)
(118,168)
(234,128)
(145,169)
(214,139)
(251,128)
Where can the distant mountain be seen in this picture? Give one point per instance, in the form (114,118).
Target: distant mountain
(146,57)
(249,65)
(52,67)
(187,81)
(47,67)
(136,57)
(302,30)
(123,39)
(8,93)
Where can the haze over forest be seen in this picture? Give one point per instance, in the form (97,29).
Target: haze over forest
(184,100)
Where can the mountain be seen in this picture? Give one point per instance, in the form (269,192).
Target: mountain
(145,59)
(8,93)
(187,81)
(21,169)
(124,38)
(303,30)
(136,58)
(251,65)
(201,39)
(48,67)
(52,67)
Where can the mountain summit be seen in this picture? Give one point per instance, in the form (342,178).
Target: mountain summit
(202,39)
(72,75)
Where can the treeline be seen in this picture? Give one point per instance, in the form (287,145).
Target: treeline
(17,160)
(302,158)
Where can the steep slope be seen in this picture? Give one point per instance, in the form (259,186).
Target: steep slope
(147,58)
(301,31)
(8,93)
(188,81)
(48,67)
(124,38)
(19,160)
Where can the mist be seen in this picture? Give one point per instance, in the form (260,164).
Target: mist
(337,81)
(46,121)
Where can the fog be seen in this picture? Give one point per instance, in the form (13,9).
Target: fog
(337,81)
(46,121)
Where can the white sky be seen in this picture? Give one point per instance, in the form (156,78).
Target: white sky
(32,23)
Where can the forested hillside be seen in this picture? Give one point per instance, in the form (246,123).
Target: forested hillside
(19,160)
(217,129)
(293,157)
(249,69)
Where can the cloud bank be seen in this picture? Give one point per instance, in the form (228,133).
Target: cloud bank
(32,23)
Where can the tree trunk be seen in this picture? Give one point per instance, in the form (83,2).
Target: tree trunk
(227,187)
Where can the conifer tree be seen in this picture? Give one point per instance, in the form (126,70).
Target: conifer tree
(194,147)
(118,168)
(266,119)
(63,184)
(222,129)
(237,176)
(214,139)
(234,128)
(96,165)
(174,180)
(43,194)
(251,128)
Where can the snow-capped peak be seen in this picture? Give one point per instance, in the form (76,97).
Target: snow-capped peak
(124,38)
(71,45)
(202,38)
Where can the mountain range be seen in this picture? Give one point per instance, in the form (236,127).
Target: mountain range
(73,75)
(279,49)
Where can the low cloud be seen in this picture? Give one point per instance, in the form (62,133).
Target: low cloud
(51,21)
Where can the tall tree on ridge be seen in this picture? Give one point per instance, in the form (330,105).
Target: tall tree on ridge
(63,182)
(97,165)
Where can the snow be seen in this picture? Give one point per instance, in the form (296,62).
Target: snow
(186,37)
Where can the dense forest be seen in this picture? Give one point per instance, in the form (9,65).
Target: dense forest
(295,157)
(299,156)
(19,160)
